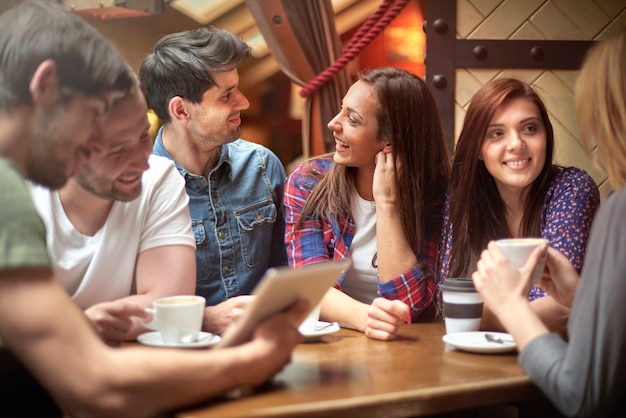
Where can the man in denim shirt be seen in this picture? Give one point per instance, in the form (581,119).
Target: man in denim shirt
(235,187)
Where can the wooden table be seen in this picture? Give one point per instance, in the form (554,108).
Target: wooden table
(349,374)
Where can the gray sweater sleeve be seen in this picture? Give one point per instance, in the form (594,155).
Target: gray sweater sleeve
(587,376)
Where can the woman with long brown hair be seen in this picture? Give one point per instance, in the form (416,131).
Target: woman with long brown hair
(377,199)
(504,184)
(585,374)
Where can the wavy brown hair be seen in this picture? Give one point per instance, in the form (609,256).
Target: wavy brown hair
(477,212)
(407,118)
(601,105)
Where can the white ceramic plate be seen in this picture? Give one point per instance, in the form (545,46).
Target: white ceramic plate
(321,328)
(205,339)
(476,342)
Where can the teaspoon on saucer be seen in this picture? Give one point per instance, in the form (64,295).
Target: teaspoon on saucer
(494,339)
(327,325)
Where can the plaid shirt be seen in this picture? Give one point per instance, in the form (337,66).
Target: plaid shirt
(325,238)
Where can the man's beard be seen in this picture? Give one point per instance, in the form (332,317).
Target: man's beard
(104,188)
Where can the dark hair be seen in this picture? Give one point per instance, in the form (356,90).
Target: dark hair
(407,118)
(35,31)
(477,212)
(181,65)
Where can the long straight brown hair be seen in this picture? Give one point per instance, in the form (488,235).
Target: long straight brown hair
(407,118)
(477,212)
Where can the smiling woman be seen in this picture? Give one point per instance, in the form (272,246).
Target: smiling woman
(514,150)
(377,199)
(504,185)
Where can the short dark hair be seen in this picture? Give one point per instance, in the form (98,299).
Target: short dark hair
(181,65)
(35,31)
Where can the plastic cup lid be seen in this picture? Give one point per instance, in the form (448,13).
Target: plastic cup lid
(458,285)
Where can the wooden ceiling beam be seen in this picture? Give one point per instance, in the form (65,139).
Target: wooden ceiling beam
(205,12)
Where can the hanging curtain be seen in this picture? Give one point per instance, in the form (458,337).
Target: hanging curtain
(302,37)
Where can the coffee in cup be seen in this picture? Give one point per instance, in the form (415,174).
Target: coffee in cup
(517,251)
(462,305)
(178,318)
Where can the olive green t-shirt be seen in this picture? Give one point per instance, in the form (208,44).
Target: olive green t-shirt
(22,232)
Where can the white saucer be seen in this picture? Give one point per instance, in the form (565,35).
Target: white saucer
(205,339)
(476,342)
(321,328)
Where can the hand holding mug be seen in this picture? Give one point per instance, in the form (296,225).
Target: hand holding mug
(114,320)
(561,280)
(500,283)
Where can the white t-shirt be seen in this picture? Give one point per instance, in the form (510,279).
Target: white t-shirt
(361,281)
(101,268)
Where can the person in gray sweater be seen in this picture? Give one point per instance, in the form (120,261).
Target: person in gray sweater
(585,374)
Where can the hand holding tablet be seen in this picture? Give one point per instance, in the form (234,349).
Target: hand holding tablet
(278,289)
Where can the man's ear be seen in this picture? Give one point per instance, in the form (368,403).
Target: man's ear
(44,84)
(178,108)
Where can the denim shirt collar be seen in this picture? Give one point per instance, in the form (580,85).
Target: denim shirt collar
(159,149)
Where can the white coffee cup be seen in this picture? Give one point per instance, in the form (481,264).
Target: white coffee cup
(462,305)
(517,251)
(178,318)
(310,322)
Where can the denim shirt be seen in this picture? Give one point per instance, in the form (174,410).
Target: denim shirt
(237,218)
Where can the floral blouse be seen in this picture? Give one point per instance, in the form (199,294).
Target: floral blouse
(568,210)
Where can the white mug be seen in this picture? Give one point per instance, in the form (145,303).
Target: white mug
(178,318)
(517,251)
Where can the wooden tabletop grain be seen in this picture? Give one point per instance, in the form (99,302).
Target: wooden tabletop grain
(346,373)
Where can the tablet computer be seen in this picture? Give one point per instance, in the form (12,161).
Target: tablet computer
(278,289)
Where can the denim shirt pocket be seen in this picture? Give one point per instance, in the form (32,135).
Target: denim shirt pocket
(255,223)
(202,251)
